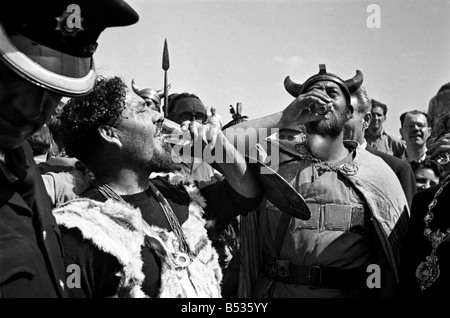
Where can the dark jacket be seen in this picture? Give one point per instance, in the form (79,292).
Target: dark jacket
(419,247)
(403,171)
(31,255)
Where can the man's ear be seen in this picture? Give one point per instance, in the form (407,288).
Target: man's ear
(401,133)
(349,111)
(109,134)
(367,118)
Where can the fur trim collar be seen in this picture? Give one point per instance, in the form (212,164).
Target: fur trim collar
(117,228)
(113,228)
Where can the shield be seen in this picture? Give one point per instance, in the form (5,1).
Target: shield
(278,191)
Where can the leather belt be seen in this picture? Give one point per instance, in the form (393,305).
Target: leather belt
(316,276)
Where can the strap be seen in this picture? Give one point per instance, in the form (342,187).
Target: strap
(280,234)
(316,276)
(108,192)
(172,218)
(282,228)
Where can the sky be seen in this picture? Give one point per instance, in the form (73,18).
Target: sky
(230,51)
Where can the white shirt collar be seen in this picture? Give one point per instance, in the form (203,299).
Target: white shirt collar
(364,144)
(405,158)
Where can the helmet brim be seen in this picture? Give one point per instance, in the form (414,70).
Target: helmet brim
(61,73)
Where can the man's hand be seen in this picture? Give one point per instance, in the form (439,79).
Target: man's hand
(203,137)
(440,148)
(308,107)
(216,149)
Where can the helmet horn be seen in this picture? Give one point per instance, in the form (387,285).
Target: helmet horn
(354,83)
(292,87)
(134,87)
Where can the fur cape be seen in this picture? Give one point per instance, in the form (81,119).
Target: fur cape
(118,229)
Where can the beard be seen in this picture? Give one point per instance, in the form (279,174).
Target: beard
(162,160)
(328,127)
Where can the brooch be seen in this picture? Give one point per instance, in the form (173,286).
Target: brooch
(181,260)
(349,168)
(301,148)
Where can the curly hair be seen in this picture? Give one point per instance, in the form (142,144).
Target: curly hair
(82,116)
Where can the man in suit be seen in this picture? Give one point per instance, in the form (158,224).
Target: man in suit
(355,129)
(46,50)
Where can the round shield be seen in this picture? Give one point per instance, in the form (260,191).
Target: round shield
(278,191)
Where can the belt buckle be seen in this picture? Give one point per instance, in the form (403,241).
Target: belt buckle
(315,276)
(283,268)
(278,267)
